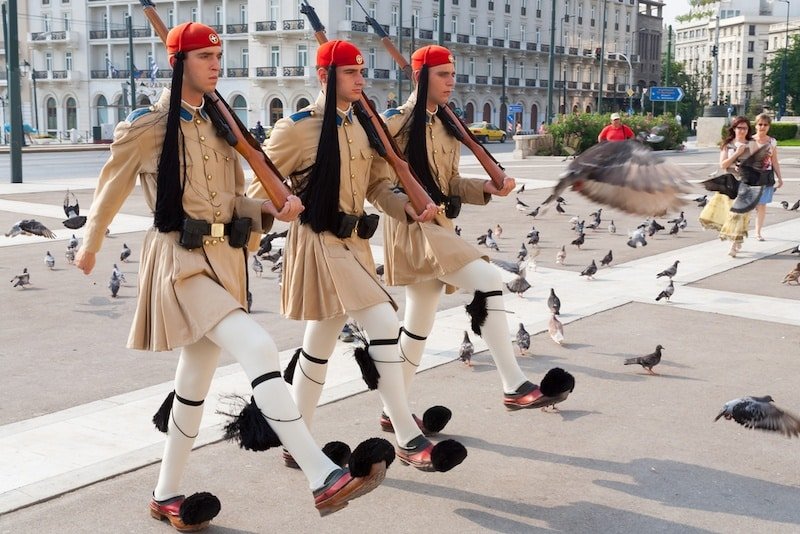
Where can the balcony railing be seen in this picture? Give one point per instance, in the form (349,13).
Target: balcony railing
(482,80)
(530,47)
(558,84)
(530,82)
(542,83)
(572,85)
(294,71)
(216,27)
(99,74)
(514,44)
(426,34)
(559,49)
(358,26)
(497,80)
(573,51)
(49,36)
(544,47)
(500,43)
(482,41)
(236,28)
(380,74)
(586,85)
(39,74)
(266,26)
(461,38)
(462,78)
(237,73)
(270,72)
(294,24)
(98,34)
(514,82)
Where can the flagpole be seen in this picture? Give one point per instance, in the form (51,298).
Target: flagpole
(130,62)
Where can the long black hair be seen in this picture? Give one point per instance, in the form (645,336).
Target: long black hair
(320,192)
(416,149)
(169,213)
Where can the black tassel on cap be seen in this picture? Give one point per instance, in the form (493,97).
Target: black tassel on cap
(250,428)
(161,417)
(369,452)
(288,373)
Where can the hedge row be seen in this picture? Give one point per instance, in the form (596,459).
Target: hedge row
(779,130)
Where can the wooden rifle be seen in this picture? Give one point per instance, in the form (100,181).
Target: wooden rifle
(232,129)
(463,134)
(385,144)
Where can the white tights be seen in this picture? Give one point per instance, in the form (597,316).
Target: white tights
(422,299)
(380,322)
(255,350)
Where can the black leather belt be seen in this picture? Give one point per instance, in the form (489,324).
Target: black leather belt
(204,228)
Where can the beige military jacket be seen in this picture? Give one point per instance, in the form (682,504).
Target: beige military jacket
(182,293)
(325,276)
(415,252)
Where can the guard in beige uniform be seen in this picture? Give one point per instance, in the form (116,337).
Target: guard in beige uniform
(192,277)
(427,257)
(329,271)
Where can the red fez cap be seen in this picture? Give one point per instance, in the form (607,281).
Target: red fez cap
(191,36)
(432,56)
(339,53)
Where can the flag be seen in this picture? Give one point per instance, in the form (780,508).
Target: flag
(111,68)
(136,72)
(153,69)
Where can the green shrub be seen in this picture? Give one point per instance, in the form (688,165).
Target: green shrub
(589,125)
(783,130)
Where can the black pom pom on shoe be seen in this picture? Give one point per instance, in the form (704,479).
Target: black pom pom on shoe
(369,452)
(557,382)
(447,454)
(161,417)
(250,428)
(288,373)
(338,452)
(436,418)
(199,508)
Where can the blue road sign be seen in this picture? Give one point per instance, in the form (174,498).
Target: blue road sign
(665,94)
(515,108)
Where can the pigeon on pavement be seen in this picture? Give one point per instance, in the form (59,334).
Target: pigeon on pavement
(125,254)
(73,242)
(30,227)
(466,351)
(667,293)
(49,260)
(590,271)
(761,413)
(498,230)
(578,241)
(554,303)
(561,255)
(70,255)
(793,276)
(523,339)
(522,253)
(556,330)
(612,228)
(258,268)
(22,280)
(534,212)
(607,259)
(518,285)
(669,271)
(647,362)
(120,275)
(114,284)
(795,206)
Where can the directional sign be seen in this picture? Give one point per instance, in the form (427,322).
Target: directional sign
(515,108)
(666,94)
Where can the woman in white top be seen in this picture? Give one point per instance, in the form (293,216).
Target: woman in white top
(775,180)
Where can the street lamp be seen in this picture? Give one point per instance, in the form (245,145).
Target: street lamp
(25,68)
(782,103)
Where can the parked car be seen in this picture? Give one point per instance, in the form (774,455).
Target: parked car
(487,132)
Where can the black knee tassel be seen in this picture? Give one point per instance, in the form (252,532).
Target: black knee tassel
(478,310)
(250,428)
(288,373)
(161,417)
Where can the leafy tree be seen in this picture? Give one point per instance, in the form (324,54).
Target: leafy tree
(772,76)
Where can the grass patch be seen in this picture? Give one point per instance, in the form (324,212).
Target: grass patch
(789,142)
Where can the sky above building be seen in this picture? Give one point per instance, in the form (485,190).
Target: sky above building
(673,8)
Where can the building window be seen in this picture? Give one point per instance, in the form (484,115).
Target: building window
(348,9)
(245,58)
(523,33)
(415,18)
(52,115)
(490,29)
(373,8)
(274,10)
(371,57)
(68,61)
(454,24)
(749,79)
(193,14)
(471,70)
(275,55)
(751,29)
(239,106)
(218,15)
(242,13)
(302,55)
(395,16)
(48,62)
(749,63)
(67,25)
(751,46)
(72,113)
(489,67)
(507,31)
(435,22)
(170,18)
(472,25)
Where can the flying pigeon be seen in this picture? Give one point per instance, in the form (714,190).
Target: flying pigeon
(258,268)
(559,208)
(761,413)
(274,257)
(518,285)
(466,351)
(22,280)
(458,230)
(521,189)
(578,227)
(625,175)
(30,227)
(482,238)
(510,266)
(379,270)
(793,276)
(701,199)
(612,228)
(554,303)
(523,339)
(795,206)
(114,284)
(556,330)
(561,255)
(590,271)
(702,202)
(678,219)
(521,206)
(653,228)
(125,254)
(647,362)
(669,271)
(795,250)
(73,242)
(667,293)
(73,212)
(607,259)
(49,260)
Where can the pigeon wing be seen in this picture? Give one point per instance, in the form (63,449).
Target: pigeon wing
(509,266)
(35,227)
(751,413)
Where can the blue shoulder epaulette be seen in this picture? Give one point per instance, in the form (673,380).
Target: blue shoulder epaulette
(389,113)
(300,115)
(137,114)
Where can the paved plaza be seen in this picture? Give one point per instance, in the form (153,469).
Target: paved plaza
(628,452)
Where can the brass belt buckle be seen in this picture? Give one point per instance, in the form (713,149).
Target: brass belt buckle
(217,229)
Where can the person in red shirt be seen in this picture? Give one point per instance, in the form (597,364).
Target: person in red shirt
(616,131)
